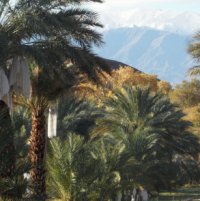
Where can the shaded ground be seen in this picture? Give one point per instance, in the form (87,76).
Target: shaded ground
(182,194)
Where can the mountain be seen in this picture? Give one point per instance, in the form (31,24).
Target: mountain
(171,21)
(150,50)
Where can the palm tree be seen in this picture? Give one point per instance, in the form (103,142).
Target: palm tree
(152,130)
(77,116)
(80,170)
(110,160)
(48,33)
(64,164)
(194,50)
(14,163)
(7,151)
(93,166)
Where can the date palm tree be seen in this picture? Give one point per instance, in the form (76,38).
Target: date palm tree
(80,170)
(64,164)
(48,33)
(153,131)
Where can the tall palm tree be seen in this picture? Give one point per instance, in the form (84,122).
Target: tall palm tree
(48,33)
(46,90)
(194,50)
(152,130)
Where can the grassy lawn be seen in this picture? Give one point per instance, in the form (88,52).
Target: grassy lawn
(184,193)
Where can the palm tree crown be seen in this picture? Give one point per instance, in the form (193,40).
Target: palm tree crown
(194,50)
(49,32)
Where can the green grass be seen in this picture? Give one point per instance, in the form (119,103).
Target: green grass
(181,194)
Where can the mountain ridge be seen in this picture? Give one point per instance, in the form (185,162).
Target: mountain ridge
(150,50)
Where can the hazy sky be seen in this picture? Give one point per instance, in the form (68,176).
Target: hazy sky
(176,5)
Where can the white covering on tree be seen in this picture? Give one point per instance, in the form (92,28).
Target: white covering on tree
(19,77)
(144,195)
(18,82)
(52,121)
(119,196)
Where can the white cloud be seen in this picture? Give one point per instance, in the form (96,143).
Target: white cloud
(183,23)
(170,15)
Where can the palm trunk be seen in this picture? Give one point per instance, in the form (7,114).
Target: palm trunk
(37,154)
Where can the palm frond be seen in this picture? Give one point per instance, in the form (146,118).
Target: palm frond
(77,116)
(62,166)
(194,71)
(194,50)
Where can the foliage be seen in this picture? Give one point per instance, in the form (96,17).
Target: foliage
(64,165)
(140,139)
(49,32)
(121,77)
(14,185)
(135,113)
(186,94)
(7,151)
(76,115)
(83,171)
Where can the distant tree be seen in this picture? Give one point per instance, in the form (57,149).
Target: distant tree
(164,87)
(186,94)
(123,76)
(128,76)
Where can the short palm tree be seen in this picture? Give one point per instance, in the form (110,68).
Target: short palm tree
(80,170)
(109,160)
(48,33)
(64,164)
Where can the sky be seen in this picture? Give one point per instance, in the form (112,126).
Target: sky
(175,5)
